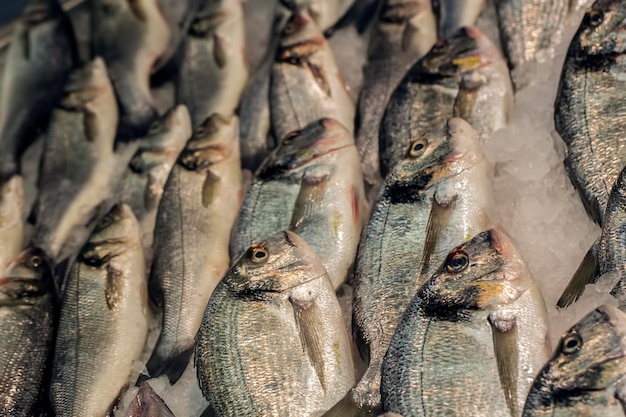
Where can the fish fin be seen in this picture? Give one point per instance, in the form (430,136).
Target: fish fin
(308,200)
(465,103)
(505,341)
(311,328)
(438,221)
(209,412)
(586,273)
(210,188)
(219,51)
(114,287)
(320,77)
(360,14)
(620,393)
(347,407)
(152,193)
(172,366)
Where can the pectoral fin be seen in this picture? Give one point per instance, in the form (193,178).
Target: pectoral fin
(507,357)
(465,103)
(219,51)
(319,74)
(438,222)
(310,326)
(586,273)
(210,188)
(308,200)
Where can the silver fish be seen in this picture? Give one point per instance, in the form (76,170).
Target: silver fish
(27,314)
(312,185)
(11,223)
(38,62)
(589,108)
(440,194)
(147,403)
(103,323)
(473,338)
(272,340)
(455,14)
(214,71)
(585,376)
(200,202)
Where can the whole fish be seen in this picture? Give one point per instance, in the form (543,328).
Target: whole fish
(103,323)
(530,30)
(311,185)
(585,375)
(272,340)
(147,403)
(142,187)
(27,314)
(200,202)
(38,62)
(472,339)
(426,97)
(11,223)
(79,170)
(455,14)
(214,72)
(404,32)
(305,82)
(132,37)
(439,194)
(607,255)
(589,107)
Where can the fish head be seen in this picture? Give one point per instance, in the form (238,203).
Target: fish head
(486,271)
(466,50)
(301,147)
(210,143)
(277,264)
(38,11)
(27,280)
(603,30)
(432,159)
(299,39)
(401,11)
(591,355)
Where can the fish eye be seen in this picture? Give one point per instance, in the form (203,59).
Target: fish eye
(154,127)
(35,261)
(457,261)
(259,255)
(417,148)
(290,28)
(595,17)
(439,46)
(571,344)
(290,137)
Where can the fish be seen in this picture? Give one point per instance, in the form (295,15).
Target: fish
(312,185)
(305,83)
(440,194)
(147,403)
(80,170)
(588,107)
(585,375)
(606,259)
(272,339)
(132,37)
(454,14)
(199,206)
(404,31)
(11,223)
(39,60)
(472,339)
(427,95)
(28,309)
(103,323)
(529,31)
(142,186)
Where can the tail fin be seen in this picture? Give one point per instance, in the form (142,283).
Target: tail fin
(172,365)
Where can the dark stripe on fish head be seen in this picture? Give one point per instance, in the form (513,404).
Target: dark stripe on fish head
(209,144)
(27,279)
(461,53)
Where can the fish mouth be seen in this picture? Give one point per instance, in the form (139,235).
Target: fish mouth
(37,12)
(296,53)
(297,161)
(458,54)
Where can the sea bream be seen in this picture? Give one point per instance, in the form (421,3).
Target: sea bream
(272,340)
(147,403)
(472,339)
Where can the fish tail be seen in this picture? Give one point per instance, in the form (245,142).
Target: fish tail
(172,365)
(348,407)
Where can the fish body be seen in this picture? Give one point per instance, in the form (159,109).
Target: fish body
(39,60)
(585,375)
(404,32)
(147,403)
(589,108)
(311,185)
(27,315)
(472,339)
(11,223)
(200,202)
(272,340)
(103,323)
(214,71)
(455,14)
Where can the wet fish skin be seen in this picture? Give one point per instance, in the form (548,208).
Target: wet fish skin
(103,322)
(529,30)
(214,71)
(437,195)
(147,403)
(38,63)
(455,14)
(404,31)
(272,340)
(473,337)
(305,82)
(27,315)
(585,375)
(588,107)
(200,202)
(178,14)
(11,223)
